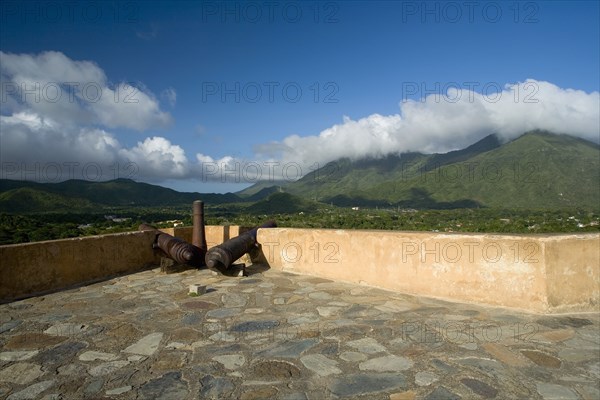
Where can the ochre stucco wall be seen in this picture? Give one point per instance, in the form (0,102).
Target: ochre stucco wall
(540,273)
(32,268)
(518,271)
(215,234)
(573,272)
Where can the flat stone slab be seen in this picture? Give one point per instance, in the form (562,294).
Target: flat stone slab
(212,387)
(21,373)
(367,345)
(232,300)
(352,356)
(387,364)
(97,355)
(289,349)
(8,326)
(275,370)
(61,354)
(321,365)
(107,368)
(119,390)
(328,311)
(359,384)
(441,393)
(425,378)
(284,336)
(33,391)
(17,355)
(146,346)
(168,387)
(231,361)
(223,312)
(481,388)
(253,326)
(550,391)
(66,329)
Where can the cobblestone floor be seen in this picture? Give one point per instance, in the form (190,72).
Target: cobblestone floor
(283,336)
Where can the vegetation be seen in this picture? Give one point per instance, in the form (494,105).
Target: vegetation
(537,183)
(538,170)
(22,228)
(35,227)
(459,220)
(27,196)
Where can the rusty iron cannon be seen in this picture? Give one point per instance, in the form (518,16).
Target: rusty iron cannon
(175,248)
(198,229)
(178,249)
(223,255)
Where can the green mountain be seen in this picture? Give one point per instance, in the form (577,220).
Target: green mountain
(26,196)
(283,203)
(25,199)
(537,170)
(354,179)
(486,144)
(258,189)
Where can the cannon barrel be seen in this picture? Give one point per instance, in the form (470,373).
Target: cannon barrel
(222,256)
(175,248)
(198,230)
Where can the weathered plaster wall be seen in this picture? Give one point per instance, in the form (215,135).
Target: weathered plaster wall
(541,273)
(31,268)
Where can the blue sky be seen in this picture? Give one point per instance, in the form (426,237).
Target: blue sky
(197,68)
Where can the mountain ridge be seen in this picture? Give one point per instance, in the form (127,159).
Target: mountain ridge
(114,193)
(538,169)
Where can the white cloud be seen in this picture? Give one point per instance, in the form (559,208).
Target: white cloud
(158,155)
(37,128)
(57,111)
(224,169)
(170,95)
(226,161)
(29,145)
(75,92)
(28,139)
(127,106)
(443,123)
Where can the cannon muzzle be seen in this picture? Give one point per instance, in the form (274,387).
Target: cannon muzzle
(222,256)
(175,248)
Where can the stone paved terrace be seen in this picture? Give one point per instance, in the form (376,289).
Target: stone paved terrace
(283,336)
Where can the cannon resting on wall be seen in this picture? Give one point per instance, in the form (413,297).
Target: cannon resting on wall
(178,249)
(222,256)
(219,258)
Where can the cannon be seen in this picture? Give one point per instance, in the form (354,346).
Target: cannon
(222,256)
(198,234)
(175,248)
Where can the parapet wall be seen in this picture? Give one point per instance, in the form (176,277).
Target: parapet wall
(539,273)
(32,268)
(215,234)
